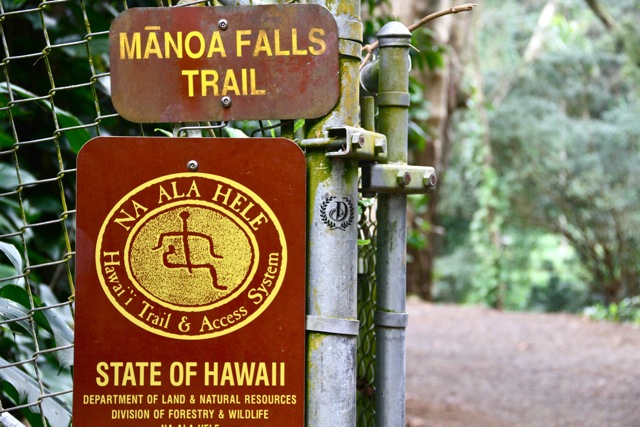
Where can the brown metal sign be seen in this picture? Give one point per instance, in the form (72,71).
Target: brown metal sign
(192,64)
(190,300)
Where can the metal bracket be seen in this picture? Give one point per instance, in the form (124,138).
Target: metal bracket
(391,320)
(398,178)
(350,142)
(333,325)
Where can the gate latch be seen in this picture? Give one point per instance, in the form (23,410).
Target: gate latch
(351,142)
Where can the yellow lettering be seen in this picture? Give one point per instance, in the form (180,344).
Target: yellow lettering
(240,42)
(263,375)
(155,372)
(216,46)
(129,50)
(262,44)
(294,43)
(187,44)
(170,43)
(152,47)
(129,375)
(255,91)
(219,192)
(190,74)
(244,81)
(164,194)
(210,375)
(322,45)
(227,375)
(279,52)
(174,185)
(137,207)
(230,83)
(100,367)
(260,219)
(209,78)
(193,188)
(235,205)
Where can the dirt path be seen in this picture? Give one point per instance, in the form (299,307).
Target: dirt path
(475,367)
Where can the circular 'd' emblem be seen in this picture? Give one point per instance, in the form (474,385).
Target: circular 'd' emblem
(191,256)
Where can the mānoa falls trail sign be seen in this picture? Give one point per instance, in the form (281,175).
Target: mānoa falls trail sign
(190,301)
(193,64)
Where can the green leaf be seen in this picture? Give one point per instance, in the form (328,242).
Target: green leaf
(6,140)
(235,133)
(298,124)
(10,391)
(56,413)
(76,137)
(272,131)
(10,310)
(59,318)
(9,177)
(19,295)
(12,253)
(14,4)
(6,271)
(164,132)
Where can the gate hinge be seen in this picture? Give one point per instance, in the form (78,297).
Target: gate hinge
(350,142)
(398,178)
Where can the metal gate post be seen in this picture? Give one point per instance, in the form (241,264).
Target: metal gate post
(391,316)
(332,245)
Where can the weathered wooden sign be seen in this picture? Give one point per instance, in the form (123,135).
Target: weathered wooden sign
(223,63)
(190,283)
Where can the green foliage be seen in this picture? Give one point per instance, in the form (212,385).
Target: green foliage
(627,310)
(50,105)
(23,328)
(564,145)
(539,272)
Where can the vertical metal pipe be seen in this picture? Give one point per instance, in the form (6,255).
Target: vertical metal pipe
(391,317)
(367,112)
(332,246)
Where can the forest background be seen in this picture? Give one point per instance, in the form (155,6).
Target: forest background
(529,112)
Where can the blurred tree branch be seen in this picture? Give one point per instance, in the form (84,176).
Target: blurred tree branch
(456,9)
(601,14)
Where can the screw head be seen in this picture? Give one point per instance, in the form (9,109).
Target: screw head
(380,145)
(192,165)
(404,178)
(358,139)
(225,101)
(430,180)
(223,24)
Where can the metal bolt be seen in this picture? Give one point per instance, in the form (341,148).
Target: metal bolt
(223,24)
(226,101)
(192,165)
(404,178)
(380,146)
(430,180)
(358,139)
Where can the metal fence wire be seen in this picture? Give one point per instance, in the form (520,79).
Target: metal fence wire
(54,97)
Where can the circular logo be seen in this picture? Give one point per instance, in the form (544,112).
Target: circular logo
(337,213)
(191,256)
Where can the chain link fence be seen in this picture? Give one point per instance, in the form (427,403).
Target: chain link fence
(54,97)
(366,309)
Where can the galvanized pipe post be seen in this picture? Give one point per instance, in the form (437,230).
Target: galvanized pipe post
(391,316)
(332,255)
